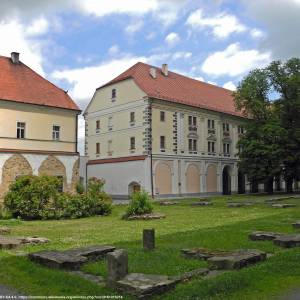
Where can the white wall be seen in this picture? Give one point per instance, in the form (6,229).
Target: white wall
(119,175)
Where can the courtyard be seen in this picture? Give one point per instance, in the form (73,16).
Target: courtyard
(215,227)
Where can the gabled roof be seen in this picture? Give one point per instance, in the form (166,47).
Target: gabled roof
(19,83)
(180,89)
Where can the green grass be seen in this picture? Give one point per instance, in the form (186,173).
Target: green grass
(215,227)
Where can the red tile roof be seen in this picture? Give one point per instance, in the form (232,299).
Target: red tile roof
(180,89)
(19,83)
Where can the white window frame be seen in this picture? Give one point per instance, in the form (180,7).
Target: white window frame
(54,133)
(22,129)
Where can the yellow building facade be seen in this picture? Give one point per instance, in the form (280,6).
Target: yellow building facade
(38,127)
(136,139)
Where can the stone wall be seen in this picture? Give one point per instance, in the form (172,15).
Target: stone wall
(14,165)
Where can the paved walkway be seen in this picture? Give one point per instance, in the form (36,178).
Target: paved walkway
(292,295)
(5,291)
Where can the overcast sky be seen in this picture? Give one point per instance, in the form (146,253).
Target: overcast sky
(81,44)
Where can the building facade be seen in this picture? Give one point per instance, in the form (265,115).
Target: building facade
(166,133)
(38,127)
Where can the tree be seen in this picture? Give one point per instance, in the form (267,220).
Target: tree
(285,79)
(270,97)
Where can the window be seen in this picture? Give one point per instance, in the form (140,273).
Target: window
(240,129)
(225,127)
(226,148)
(211,124)
(110,121)
(97,148)
(162,142)
(132,117)
(192,145)
(56,133)
(21,130)
(98,125)
(132,143)
(211,147)
(113,94)
(162,116)
(192,121)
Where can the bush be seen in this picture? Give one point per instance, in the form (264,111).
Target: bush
(4,213)
(100,202)
(140,204)
(33,197)
(80,188)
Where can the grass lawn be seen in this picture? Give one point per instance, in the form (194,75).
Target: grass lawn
(215,227)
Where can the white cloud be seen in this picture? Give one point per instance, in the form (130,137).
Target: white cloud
(172,39)
(256,33)
(222,25)
(181,55)
(38,27)
(13,35)
(84,81)
(113,50)
(234,61)
(134,27)
(229,86)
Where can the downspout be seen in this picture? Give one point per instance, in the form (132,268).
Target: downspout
(151,156)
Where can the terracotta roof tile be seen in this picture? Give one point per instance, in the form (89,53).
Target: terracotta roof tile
(180,89)
(19,83)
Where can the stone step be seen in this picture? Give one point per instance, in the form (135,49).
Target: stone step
(288,240)
(236,260)
(263,236)
(144,285)
(283,205)
(71,259)
(202,203)
(58,260)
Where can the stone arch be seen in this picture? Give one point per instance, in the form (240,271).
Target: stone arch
(211,179)
(52,166)
(17,165)
(226,180)
(192,179)
(163,179)
(133,187)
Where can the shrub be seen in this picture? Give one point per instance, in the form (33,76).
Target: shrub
(100,202)
(33,197)
(4,213)
(140,203)
(80,188)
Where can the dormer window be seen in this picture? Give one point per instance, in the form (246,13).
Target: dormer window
(113,95)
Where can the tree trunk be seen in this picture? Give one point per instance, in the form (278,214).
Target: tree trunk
(289,185)
(269,184)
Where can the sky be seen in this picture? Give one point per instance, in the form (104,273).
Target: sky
(81,44)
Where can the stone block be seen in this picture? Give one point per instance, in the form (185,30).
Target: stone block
(202,203)
(9,242)
(239,204)
(288,241)
(192,274)
(283,205)
(146,217)
(201,253)
(263,236)
(236,260)
(117,263)
(144,286)
(149,239)
(296,225)
(92,253)
(5,230)
(168,203)
(58,260)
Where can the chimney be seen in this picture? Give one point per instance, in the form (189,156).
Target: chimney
(15,57)
(164,69)
(153,72)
